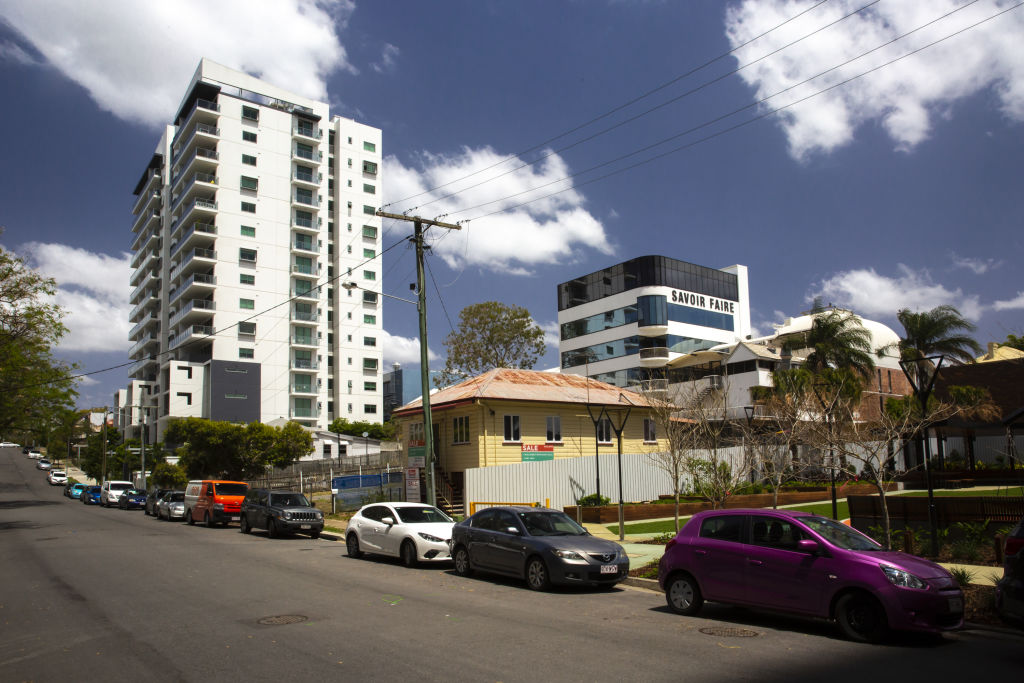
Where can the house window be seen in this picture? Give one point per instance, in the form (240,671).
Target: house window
(250,113)
(248,207)
(248,231)
(248,160)
(369,408)
(248,136)
(554,433)
(650,431)
(186,396)
(416,432)
(248,183)
(370,319)
(246,353)
(246,279)
(369,167)
(512,428)
(247,255)
(460,429)
(247,304)
(369,147)
(369,386)
(604,430)
(369,189)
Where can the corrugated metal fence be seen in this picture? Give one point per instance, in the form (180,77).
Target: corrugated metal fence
(566,480)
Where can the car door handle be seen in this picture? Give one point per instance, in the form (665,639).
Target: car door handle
(700,552)
(756,563)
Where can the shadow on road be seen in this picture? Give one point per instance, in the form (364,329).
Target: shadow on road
(15,504)
(10,526)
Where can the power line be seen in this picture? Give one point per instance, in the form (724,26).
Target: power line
(439,297)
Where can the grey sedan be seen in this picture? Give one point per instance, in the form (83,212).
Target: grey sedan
(540,545)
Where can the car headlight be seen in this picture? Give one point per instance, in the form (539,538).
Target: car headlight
(286,515)
(903,579)
(430,537)
(218,506)
(319,515)
(569,556)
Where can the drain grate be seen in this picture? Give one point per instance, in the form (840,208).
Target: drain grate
(728,632)
(282,619)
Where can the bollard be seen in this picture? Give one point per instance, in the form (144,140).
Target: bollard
(908,541)
(1000,543)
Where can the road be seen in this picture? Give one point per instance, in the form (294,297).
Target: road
(95,593)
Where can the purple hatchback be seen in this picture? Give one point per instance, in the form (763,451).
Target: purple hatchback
(810,565)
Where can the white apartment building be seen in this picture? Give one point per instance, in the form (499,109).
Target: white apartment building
(254,208)
(624,324)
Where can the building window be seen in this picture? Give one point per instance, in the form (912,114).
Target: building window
(248,183)
(369,408)
(460,429)
(368,253)
(370,319)
(239,396)
(369,297)
(187,370)
(248,136)
(512,428)
(554,433)
(369,167)
(247,304)
(248,160)
(247,255)
(369,364)
(248,231)
(246,353)
(246,279)
(370,231)
(650,431)
(186,396)
(250,113)
(369,189)
(369,386)
(369,210)
(369,147)
(369,275)
(604,430)
(247,329)
(248,207)
(416,432)
(369,341)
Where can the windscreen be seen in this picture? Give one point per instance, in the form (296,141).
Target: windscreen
(177,497)
(550,524)
(289,499)
(417,515)
(230,489)
(839,535)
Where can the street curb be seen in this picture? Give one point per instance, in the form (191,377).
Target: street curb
(331,536)
(636,581)
(1003,630)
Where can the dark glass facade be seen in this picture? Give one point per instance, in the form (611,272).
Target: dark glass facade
(648,271)
(632,345)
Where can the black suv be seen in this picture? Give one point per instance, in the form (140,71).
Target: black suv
(280,512)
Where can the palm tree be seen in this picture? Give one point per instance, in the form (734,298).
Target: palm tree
(837,339)
(938,331)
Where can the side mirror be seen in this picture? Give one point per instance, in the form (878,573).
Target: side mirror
(808,546)
(512,530)
(390,521)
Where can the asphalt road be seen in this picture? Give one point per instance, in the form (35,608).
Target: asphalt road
(91,593)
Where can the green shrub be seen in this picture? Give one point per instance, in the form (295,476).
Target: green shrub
(962,575)
(593,500)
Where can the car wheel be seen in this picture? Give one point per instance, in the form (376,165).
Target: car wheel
(408,553)
(314,535)
(861,618)
(683,595)
(207,522)
(462,565)
(188,518)
(272,529)
(243,525)
(352,546)
(537,574)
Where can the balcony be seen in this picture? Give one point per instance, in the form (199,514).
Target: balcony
(200,208)
(139,308)
(654,357)
(193,260)
(191,185)
(137,347)
(188,333)
(199,234)
(203,134)
(303,413)
(311,180)
(203,111)
(144,219)
(303,364)
(304,316)
(149,283)
(147,240)
(307,155)
(652,330)
(193,310)
(202,159)
(307,246)
(303,269)
(304,389)
(145,199)
(148,320)
(197,284)
(306,226)
(653,386)
(307,201)
(142,262)
(304,132)
(137,370)
(313,293)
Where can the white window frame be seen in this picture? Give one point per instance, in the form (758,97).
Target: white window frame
(513,433)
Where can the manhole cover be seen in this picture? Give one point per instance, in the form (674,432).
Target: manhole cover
(282,619)
(728,632)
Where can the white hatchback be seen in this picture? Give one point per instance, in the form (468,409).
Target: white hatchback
(414,532)
(57,477)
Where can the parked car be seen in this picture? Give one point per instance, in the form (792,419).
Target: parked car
(132,499)
(152,498)
(8,444)
(57,477)
(74,490)
(44,464)
(35,455)
(214,502)
(540,545)
(90,495)
(171,506)
(279,512)
(112,490)
(809,565)
(1010,589)
(414,532)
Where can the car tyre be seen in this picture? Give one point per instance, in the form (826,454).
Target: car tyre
(272,529)
(462,564)
(207,522)
(861,618)
(682,594)
(243,525)
(314,535)
(352,546)
(189,519)
(408,553)
(537,577)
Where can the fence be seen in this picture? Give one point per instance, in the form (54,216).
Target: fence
(354,491)
(912,512)
(315,475)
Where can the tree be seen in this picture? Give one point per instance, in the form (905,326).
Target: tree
(33,385)
(168,476)
(938,331)
(675,431)
(778,427)
(212,448)
(491,335)
(1015,342)
(375,430)
(836,339)
(292,443)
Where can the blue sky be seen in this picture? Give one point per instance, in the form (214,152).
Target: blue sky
(896,188)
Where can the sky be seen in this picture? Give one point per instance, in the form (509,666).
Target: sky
(865,151)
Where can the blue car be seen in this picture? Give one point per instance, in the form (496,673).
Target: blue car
(90,495)
(75,490)
(132,499)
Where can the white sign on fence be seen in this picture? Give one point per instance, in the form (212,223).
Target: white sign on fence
(412,484)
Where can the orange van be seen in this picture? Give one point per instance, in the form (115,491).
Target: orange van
(212,501)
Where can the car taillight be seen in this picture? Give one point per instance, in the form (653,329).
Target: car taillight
(1013,545)
(671,542)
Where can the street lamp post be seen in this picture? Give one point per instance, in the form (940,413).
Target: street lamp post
(618,435)
(922,386)
(829,422)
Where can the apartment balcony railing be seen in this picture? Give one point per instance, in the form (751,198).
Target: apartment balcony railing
(302,413)
(138,367)
(303,316)
(310,178)
(195,305)
(204,256)
(195,181)
(654,353)
(304,341)
(195,232)
(303,269)
(141,344)
(189,332)
(204,129)
(202,109)
(145,197)
(304,245)
(141,306)
(199,204)
(201,154)
(308,155)
(194,279)
(308,132)
(311,293)
(141,325)
(144,218)
(300,364)
(303,389)
(306,200)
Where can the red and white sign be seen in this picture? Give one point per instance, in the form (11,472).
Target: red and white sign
(537,448)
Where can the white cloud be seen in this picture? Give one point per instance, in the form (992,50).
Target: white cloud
(92,288)
(1010,304)
(134,57)
(403,349)
(871,294)
(547,231)
(976,265)
(902,97)
(551,333)
(389,54)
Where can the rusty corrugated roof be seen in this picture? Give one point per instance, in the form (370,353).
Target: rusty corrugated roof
(531,385)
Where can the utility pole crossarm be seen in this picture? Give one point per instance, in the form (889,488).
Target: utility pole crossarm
(422,221)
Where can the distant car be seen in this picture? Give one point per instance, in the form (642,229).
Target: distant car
(537,544)
(90,495)
(112,490)
(34,454)
(414,532)
(279,512)
(171,506)
(810,565)
(44,464)
(9,444)
(74,490)
(152,498)
(1010,589)
(132,499)
(57,477)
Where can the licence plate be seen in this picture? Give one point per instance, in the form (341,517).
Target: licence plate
(956,605)
(305,526)
(234,518)
(609,569)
